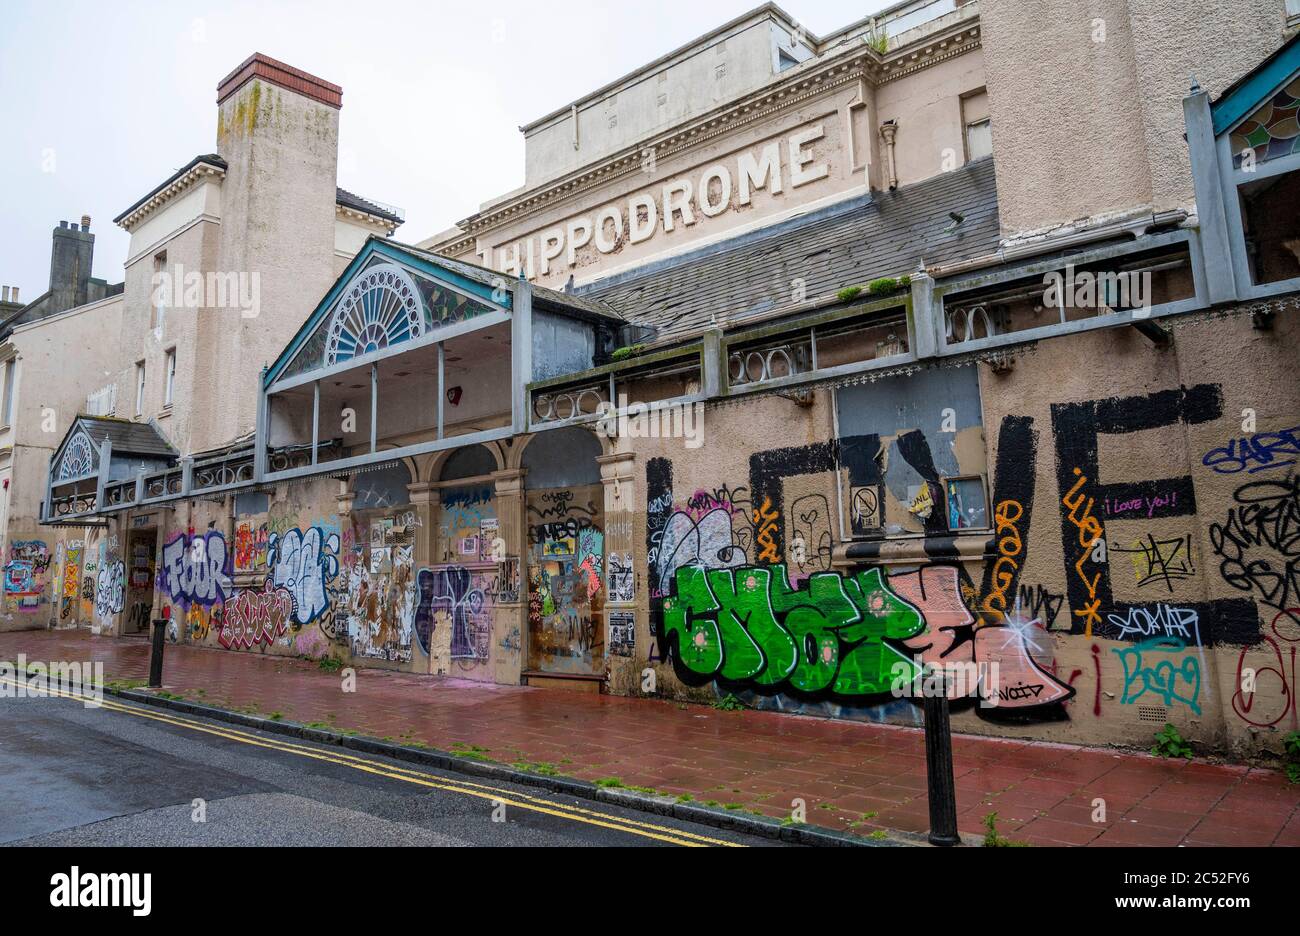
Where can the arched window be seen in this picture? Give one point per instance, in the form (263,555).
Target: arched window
(78,458)
(382,489)
(476,461)
(563,458)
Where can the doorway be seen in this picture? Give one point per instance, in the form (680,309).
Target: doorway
(566,555)
(141,566)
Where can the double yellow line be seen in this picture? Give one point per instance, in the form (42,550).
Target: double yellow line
(481,791)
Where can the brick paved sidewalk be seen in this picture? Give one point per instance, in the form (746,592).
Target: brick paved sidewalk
(863,777)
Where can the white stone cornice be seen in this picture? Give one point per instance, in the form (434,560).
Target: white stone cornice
(163,196)
(352,214)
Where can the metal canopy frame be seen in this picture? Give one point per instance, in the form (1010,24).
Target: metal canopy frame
(520,321)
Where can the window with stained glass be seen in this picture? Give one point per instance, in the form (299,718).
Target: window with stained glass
(383,306)
(1272,131)
(78,458)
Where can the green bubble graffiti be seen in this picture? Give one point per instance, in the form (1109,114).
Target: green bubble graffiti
(749,626)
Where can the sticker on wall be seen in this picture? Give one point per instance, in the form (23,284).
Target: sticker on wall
(505,588)
(921,500)
(376,535)
(864,505)
(622,583)
(489,534)
(381,560)
(622,633)
(469,546)
(565,546)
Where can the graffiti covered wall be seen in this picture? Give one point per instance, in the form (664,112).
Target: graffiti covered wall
(1108,526)
(1130,560)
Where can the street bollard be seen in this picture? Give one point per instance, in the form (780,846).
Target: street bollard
(155,658)
(938,769)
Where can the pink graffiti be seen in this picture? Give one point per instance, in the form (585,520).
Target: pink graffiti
(256,618)
(951,637)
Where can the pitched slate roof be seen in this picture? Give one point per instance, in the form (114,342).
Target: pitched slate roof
(848,244)
(342,197)
(128,438)
(357,203)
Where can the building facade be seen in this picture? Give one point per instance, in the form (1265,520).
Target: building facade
(799,369)
(226,256)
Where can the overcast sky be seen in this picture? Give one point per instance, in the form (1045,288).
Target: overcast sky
(100,102)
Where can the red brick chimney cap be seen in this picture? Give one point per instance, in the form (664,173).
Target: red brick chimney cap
(285,76)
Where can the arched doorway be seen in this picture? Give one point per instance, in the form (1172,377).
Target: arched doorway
(566,554)
(458,595)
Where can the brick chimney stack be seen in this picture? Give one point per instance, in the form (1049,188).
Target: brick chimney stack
(277,130)
(72,255)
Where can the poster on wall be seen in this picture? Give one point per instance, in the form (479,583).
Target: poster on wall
(622,584)
(489,533)
(563,546)
(505,588)
(967,509)
(622,633)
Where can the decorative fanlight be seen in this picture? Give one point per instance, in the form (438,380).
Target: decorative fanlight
(78,459)
(381,308)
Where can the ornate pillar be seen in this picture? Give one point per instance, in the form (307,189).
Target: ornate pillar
(346,498)
(425,500)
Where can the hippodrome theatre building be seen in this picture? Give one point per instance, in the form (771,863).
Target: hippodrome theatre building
(794,363)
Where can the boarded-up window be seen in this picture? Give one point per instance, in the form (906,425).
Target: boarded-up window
(907,445)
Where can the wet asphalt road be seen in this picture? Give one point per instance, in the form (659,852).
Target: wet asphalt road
(134,775)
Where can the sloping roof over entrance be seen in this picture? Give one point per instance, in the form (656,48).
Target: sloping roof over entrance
(78,455)
(849,244)
(128,438)
(407,294)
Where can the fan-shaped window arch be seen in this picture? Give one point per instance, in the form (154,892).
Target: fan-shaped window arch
(381,308)
(78,458)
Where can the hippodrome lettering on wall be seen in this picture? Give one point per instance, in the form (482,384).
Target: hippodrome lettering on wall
(777,166)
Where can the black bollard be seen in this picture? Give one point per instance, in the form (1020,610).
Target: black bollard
(155,658)
(938,768)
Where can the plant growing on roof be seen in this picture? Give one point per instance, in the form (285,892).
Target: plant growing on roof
(878,39)
(884,285)
(849,293)
(629,351)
